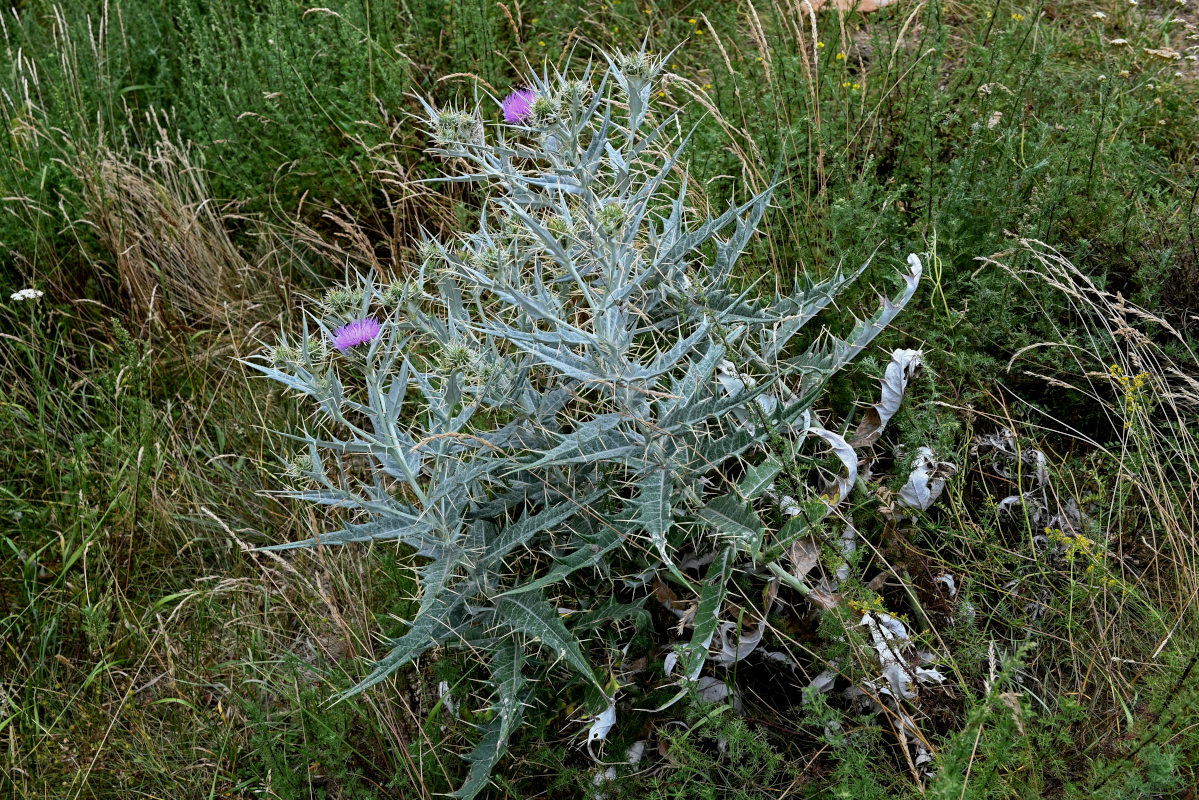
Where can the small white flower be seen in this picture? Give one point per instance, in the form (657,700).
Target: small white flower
(1102,78)
(1118,42)
(1134,2)
(1099,15)
(26,294)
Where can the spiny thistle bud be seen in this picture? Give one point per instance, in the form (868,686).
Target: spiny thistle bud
(544,112)
(283,355)
(485,260)
(512,226)
(429,250)
(341,301)
(490,368)
(576,92)
(458,355)
(318,352)
(457,127)
(396,294)
(559,226)
(641,66)
(300,466)
(611,218)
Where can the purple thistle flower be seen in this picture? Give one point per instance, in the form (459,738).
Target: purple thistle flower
(360,331)
(518,105)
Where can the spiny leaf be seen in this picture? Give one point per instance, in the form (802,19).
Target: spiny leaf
(531,614)
(609,538)
(597,440)
(757,479)
(429,627)
(528,526)
(511,698)
(732,517)
(653,508)
(409,529)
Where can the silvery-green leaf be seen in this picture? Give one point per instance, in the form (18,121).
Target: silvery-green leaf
(757,479)
(732,517)
(410,529)
(530,614)
(590,553)
(593,443)
(429,627)
(512,697)
(653,508)
(711,597)
(518,533)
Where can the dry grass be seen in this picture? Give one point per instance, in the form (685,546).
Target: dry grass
(174,256)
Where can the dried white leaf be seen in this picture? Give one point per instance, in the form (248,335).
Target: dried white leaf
(902,367)
(779,657)
(790,506)
(447,699)
(739,647)
(823,682)
(602,725)
(889,635)
(843,484)
(600,778)
(804,556)
(710,690)
(926,481)
(847,545)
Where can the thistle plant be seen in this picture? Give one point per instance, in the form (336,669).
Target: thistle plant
(560,403)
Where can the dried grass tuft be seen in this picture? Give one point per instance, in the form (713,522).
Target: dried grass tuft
(174,256)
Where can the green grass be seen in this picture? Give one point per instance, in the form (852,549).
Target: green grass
(145,652)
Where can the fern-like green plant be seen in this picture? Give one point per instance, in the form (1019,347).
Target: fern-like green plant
(553,407)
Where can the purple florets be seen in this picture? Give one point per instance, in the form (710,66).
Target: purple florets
(518,105)
(360,331)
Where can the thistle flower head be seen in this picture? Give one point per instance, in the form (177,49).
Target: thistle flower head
(518,105)
(396,294)
(300,466)
(559,226)
(429,250)
(360,331)
(637,65)
(485,260)
(318,352)
(576,92)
